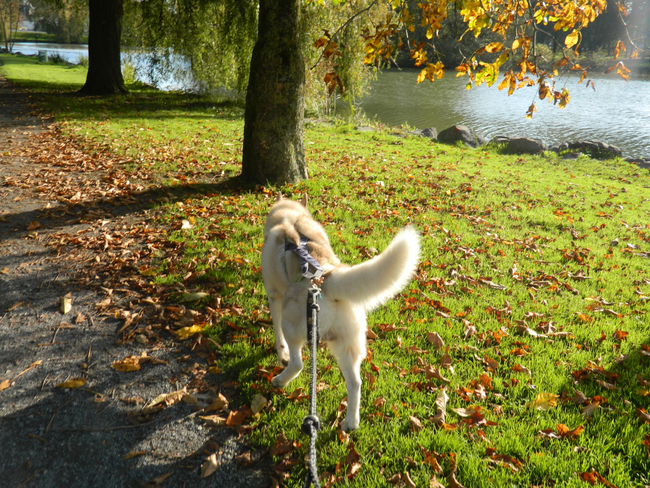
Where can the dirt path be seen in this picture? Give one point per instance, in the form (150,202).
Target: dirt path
(71,223)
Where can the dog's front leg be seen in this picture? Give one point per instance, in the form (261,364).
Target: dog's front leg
(292,370)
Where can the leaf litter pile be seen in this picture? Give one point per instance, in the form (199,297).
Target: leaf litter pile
(519,354)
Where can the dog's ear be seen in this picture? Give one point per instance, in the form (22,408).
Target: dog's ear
(303,200)
(278,196)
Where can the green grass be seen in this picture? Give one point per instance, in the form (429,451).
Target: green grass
(537,225)
(30,73)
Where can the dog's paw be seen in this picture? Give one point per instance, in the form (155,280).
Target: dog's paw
(350,424)
(277,383)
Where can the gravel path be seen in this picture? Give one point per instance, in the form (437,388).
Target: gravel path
(79,437)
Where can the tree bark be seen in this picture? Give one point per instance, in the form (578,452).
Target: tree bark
(104,37)
(273,138)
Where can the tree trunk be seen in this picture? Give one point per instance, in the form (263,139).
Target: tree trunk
(273,143)
(105,32)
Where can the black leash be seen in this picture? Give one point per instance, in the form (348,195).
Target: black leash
(311,423)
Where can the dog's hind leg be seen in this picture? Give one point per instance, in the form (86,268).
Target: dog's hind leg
(349,357)
(275,305)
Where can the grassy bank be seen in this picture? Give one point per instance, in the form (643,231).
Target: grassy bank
(519,354)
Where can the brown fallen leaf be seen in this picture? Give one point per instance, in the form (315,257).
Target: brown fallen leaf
(33,225)
(4,384)
(588,410)
(435,339)
(643,415)
(441,404)
(407,479)
(236,417)
(433,372)
(218,404)
(213,420)
(434,483)
(415,425)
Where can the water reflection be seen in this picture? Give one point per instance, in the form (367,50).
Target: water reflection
(616,112)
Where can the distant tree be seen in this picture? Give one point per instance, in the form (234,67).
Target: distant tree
(9,19)
(66,19)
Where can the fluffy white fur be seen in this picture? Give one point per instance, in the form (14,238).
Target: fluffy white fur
(348,293)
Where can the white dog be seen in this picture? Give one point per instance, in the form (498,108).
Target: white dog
(348,292)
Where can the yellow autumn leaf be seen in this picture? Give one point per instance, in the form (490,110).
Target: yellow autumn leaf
(545,401)
(74,383)
(126,365)
(494,47)
(4,384)
(187,332)
(572,39)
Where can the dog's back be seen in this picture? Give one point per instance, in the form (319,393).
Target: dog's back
(286,222)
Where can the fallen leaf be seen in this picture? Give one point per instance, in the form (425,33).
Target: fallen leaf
(588,410)
(435,339)
(217,404)
(192,297)
(214,420)
(185,333)
(132,454)
(33,225)
(236,417)
(258,403)
(643,415)
(467,412)
(210,466)
(441,404)
(168,399)
(544,401)
(414,424)
(73,383)
(408,480)
(65,303)
(434,483)
(128,364)
(4,384)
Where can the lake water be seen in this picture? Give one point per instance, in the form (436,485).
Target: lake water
(72,53)
(617,112)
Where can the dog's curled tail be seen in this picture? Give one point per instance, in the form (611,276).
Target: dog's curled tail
(376,281)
